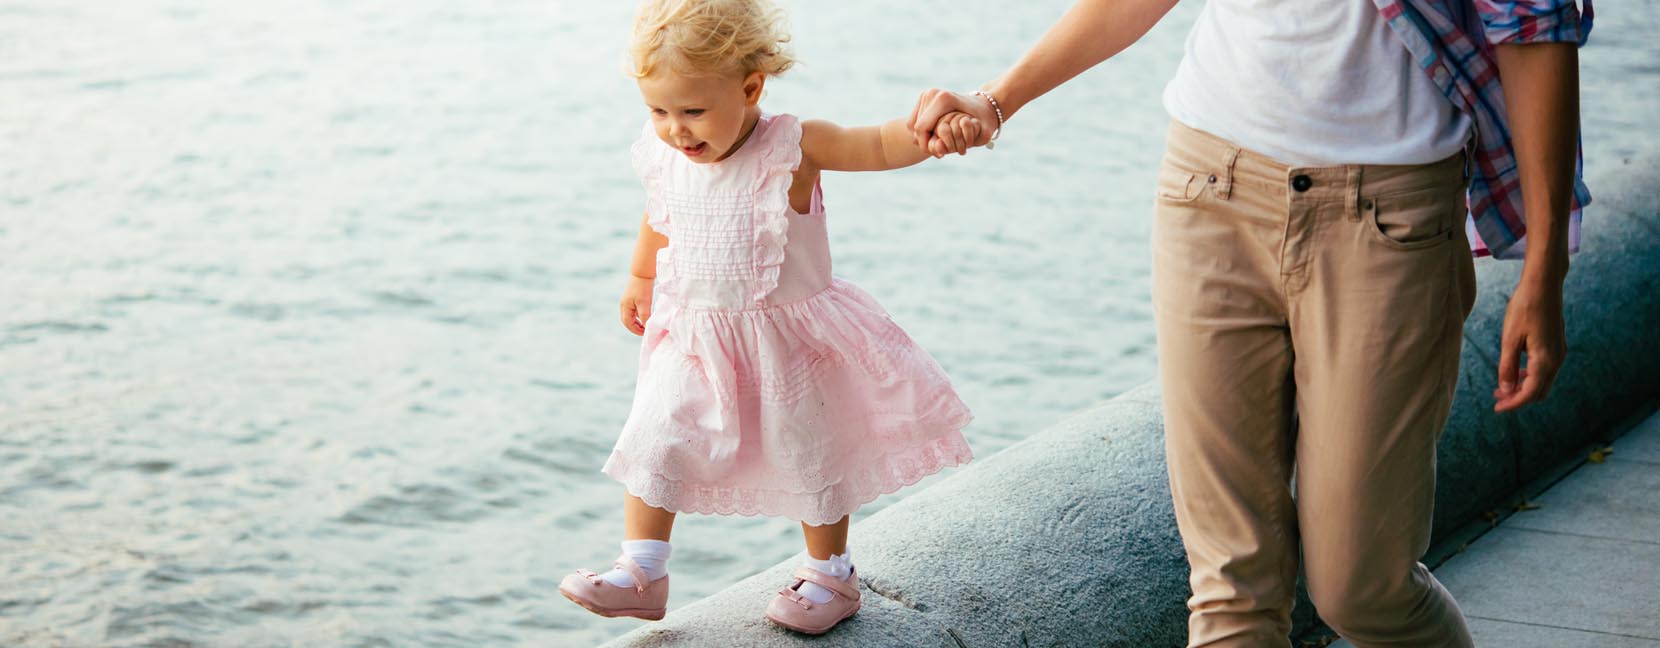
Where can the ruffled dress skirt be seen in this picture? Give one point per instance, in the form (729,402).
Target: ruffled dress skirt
(834,404)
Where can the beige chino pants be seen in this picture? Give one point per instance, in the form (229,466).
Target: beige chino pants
(1309,323)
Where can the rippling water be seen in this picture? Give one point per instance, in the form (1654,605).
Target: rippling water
(309,327)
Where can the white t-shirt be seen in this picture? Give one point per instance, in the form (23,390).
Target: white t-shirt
(1311,83)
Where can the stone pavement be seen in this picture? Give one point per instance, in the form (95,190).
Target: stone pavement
(1582,569)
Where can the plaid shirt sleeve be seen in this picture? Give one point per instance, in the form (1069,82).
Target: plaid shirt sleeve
(1534,21)
(1453,42)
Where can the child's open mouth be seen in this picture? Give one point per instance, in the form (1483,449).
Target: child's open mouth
(694,151)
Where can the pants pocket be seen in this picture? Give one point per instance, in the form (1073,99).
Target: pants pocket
(1414,219)
(1179,185)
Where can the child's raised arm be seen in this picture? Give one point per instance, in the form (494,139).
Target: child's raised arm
(826,146)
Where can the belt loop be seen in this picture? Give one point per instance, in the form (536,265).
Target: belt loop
(1352,200)
(1225,188)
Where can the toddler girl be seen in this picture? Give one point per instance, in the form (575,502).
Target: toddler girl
(766,386)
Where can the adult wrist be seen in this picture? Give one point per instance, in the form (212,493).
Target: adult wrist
(1005,98)
(1545,269)
(1548,277)
(997,114)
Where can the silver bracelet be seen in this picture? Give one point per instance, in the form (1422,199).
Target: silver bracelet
(992,143)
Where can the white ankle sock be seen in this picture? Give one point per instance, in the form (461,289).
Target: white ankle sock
(651,555)
(839,566)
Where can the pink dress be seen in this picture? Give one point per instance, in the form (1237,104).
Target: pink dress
(767,386)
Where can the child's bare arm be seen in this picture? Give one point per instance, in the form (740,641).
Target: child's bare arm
(829,147)
(636,298)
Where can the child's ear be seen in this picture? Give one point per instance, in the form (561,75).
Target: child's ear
(753,85)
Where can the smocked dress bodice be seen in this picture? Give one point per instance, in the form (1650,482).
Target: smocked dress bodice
(734,240)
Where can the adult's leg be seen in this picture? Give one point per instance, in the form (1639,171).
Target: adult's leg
(1377,313)
(1225,358)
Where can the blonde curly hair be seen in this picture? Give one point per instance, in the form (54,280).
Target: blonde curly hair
(709,37)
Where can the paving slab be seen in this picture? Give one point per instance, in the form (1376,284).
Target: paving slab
(1642,443)
(1488,633)
(1563,581)
(1618,500)
(1505,634)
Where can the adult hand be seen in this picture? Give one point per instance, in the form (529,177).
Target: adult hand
(935,104)
(1532,324)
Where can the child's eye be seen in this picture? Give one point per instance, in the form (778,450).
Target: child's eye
(659,111)
(694,111)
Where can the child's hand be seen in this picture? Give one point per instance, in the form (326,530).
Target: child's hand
(956,133)
(636,304)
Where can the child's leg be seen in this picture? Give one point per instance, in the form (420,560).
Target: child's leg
(615,593)
(642,521)
(827,553)
(646,540)
(825,541)
(813,608)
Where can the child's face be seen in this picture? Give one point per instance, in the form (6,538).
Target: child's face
(701,116)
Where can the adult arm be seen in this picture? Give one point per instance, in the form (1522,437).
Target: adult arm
(1541,97)
(1091,32)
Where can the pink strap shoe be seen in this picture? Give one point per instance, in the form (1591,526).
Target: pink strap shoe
(645,600)
(799,613)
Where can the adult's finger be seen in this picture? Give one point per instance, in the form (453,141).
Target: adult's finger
(920,135)
(938,106)
(1532,389)
(1499,394)
(1532,383)
(910,124)
(1510,361)
(1540,374)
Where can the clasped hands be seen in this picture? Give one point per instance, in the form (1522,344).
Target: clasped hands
(945,122)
